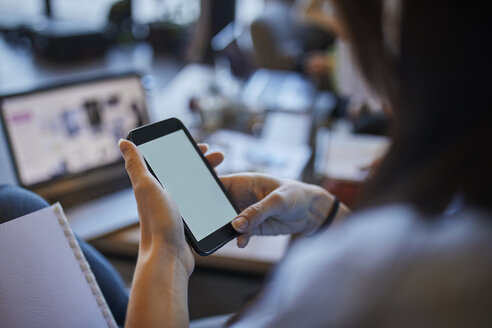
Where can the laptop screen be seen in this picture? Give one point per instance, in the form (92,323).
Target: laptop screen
(63,131)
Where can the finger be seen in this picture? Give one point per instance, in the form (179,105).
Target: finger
(255,214)
(230,179)
(203,147)
(227,180)
(215,158)
(243,240)
(134,162)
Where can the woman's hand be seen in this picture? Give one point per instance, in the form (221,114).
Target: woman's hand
(159,295)
(160,221)
(273,206)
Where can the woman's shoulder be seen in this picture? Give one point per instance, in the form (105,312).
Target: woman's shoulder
(399,232)
(390,258)
(396,258)
(436,266)
(401,225)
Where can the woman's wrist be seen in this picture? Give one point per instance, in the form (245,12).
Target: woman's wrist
(333,210)
(332,213)
(159,248)
(160,288)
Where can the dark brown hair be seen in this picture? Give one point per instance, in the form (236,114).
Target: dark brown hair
(436,89)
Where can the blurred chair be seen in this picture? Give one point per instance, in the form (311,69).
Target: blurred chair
(281,39)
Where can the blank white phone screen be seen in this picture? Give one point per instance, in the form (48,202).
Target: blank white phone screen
(202,203)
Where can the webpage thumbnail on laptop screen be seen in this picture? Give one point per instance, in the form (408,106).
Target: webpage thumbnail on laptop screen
(64,131)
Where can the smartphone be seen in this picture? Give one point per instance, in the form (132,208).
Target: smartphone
(175,160)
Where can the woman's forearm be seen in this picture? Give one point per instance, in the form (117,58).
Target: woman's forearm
(159,296)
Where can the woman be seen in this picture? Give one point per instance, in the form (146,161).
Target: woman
(401,259)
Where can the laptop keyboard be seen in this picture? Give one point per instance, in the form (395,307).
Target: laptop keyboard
(81,196)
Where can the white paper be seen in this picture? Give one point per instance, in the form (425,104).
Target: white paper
(344,156)
(42,282)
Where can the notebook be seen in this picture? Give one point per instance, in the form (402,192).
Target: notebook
(45,280)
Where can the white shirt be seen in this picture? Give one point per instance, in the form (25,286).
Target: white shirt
(386,267)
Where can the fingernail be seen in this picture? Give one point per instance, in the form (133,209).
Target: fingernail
(241,243)
(122,146)
(240,224)
(119,142)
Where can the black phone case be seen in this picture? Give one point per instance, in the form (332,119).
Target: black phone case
(223,235)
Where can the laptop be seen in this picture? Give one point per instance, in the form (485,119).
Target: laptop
(63,146)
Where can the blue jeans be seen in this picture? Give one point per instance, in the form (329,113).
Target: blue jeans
(15,202)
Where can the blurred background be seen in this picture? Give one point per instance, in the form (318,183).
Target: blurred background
(270,83)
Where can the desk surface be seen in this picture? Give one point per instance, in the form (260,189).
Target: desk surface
(258,257)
